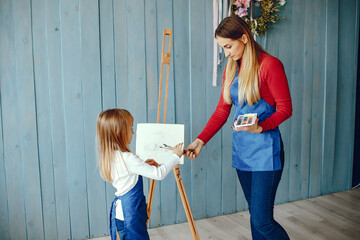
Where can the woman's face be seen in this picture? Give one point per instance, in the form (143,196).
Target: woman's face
(233,48)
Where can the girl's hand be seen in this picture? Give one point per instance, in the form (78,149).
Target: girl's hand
(152,162)
(255,128)
(179,149)
(194,149)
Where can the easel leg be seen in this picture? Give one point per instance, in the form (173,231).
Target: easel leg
(165,59)
(150,200)
(185,202)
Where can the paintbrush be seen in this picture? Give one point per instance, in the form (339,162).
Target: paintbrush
(165,146)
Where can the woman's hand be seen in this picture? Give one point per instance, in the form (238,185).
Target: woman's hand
(179,149)
(194,149)
(255,128)
(152,162)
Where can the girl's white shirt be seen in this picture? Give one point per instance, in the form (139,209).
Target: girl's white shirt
(127,167)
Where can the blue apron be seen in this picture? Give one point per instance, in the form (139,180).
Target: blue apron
(135,215)
(254,151)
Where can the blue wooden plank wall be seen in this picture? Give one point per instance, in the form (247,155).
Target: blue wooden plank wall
(63,61)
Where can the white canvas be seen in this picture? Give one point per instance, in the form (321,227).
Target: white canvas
(150,136)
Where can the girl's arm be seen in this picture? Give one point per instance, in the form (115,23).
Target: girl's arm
(136,165)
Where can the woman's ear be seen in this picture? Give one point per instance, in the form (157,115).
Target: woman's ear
(244,39)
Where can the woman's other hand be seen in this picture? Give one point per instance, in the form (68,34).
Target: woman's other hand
(193,150)
(152,162)
(255,128)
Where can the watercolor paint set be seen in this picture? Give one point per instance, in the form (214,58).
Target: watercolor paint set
(245,120)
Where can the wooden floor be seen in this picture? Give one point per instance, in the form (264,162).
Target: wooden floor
(334,217)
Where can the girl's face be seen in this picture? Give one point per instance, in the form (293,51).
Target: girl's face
(233,48)
(131,131)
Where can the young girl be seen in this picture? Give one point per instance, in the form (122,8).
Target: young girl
(124,170)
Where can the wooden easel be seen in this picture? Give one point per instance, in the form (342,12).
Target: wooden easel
(165,59)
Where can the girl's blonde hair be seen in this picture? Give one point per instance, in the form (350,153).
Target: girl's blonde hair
(112,133)
(234,27)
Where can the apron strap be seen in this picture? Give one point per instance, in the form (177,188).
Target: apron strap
(113,229)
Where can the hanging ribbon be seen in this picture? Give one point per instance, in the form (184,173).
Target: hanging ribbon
(221,9)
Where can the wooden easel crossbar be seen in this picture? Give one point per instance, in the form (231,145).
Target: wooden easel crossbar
(165,59)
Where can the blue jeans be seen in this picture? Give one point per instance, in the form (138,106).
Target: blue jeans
(259,190)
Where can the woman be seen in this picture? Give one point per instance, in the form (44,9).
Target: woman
(254,82)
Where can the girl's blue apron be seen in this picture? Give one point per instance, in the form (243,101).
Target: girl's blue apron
(253,151)
(135,215)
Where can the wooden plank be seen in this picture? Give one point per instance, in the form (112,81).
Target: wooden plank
(152,91)
(42,90)
(12,157)
(284,30)
(107,49)
(307,101)
(121,52)
(198,113)
(337,205)
(213,229)
(180,52)
(333,220)
(213,148)
(316,156)
(242,221)
(4,212)
(230,185)
(136,72)
(350,195)
(91,87)
(294,226)
(346,94)
(164,20)
(315,222)
(57,120)
(153,59)
(241,203)
(330,82)
(296,77)
(27,120)
(6,49)
(349,198)
(168,187)
(155,218)
(271,42)
(108,78)
(74,118)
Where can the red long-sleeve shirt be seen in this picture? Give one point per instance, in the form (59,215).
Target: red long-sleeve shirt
(274,89)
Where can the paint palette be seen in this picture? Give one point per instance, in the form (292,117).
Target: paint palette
(245,120)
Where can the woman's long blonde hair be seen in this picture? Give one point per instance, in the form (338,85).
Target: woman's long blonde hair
(112,133)
(234,27)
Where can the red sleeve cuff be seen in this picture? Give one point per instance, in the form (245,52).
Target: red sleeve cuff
(203,138)
(266,125)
